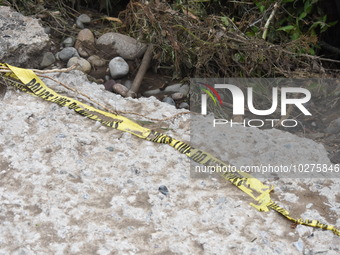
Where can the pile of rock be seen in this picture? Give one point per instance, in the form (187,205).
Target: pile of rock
(108,58)
(111,50)
(90,53)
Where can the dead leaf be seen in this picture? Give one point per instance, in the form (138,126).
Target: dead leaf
(113,19)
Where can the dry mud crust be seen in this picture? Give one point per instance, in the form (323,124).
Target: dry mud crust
(71,186)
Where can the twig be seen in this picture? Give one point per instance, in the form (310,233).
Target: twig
(311,56)
(141,72)
(266,26)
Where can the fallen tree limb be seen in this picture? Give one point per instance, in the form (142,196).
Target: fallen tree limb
(265,32)
(141,72)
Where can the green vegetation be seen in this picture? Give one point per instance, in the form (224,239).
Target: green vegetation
(211,38)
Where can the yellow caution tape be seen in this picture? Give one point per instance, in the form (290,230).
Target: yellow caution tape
(27,81)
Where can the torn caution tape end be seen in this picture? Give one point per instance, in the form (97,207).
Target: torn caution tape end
(27,81)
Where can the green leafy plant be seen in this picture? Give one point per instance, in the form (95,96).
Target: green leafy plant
(295,20)
(305,22)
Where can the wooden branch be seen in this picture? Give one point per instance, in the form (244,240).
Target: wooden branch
(141,72)
(266,26)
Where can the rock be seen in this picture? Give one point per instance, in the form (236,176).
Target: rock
(23,40)
(84,18)
(109,85)
(68,42)
(120,89)
(83,66)
(337,90)
(96,60)
(85,43)
(128,84)
(79,24)
(47,30)
(175,88)
(33,155)
(48,59)
(183,105)
(177,96)
(334,127)
(123,45)
(169,100)
(118,67)
(335,158)
(67,53)
(164,190)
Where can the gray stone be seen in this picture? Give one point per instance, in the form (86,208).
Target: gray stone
(334,127)
(337,90)
(22,41)
(123,45)
(84,18)
(47,30)
(83,64)
(128,84)
(96,61)
(120,89)
(164,190)
(68,42)
(48,59)
(67,53)
(175,88)
(118,67)
(183,105)
(79,24)
(169,100)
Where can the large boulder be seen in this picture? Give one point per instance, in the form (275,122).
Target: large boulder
(22,39)
(123,45)
(69,185)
